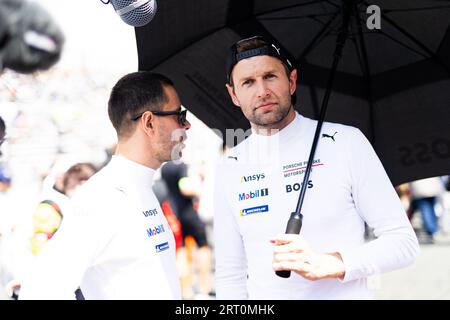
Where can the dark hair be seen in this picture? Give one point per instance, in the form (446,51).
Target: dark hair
(77,174)
(134,93)
(256,46)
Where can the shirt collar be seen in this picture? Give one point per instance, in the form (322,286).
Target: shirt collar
(132,172)
(287,133)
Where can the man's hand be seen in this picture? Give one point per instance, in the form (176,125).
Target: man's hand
(292,252)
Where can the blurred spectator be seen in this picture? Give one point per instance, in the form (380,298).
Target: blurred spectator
(404,193)
(49,213)
(425,193)
(184,192)
(5,179)
(162,194)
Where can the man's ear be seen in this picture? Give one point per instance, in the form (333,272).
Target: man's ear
(293,81)
(147,123)
(230,90)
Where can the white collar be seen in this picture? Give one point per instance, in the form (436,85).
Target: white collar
(283,135)
(132,172)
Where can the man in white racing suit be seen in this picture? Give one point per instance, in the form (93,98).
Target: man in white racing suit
(116,243)
(258,185)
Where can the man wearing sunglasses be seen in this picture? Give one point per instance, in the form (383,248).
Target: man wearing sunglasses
(116,243)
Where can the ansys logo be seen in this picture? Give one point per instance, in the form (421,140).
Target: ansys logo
(255,177)
(254,194)
(149,213)
(254,210)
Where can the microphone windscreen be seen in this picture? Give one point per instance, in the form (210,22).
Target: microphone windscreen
(34,42)
(136,13)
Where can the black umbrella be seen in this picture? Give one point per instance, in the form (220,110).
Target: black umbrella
(393,83)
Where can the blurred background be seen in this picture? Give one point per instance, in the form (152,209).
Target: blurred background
(57,118)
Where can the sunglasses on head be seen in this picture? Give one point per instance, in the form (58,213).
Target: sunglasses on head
(180,113)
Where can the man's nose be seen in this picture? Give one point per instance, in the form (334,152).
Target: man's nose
(262,89)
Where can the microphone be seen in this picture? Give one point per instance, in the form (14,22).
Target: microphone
(29,38)
(136,13)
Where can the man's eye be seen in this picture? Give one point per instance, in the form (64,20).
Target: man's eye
(270,76)
(247,82)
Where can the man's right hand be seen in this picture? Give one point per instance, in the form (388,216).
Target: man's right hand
(292,252)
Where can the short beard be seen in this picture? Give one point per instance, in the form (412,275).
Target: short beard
(275,117)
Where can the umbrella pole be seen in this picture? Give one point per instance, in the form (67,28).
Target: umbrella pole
(294,224)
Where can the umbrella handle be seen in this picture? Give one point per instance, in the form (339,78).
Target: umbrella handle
(294,226)
(295,221)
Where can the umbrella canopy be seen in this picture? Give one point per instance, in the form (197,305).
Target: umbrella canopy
(393,83)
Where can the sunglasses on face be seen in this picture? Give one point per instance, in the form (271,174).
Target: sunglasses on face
(180,113)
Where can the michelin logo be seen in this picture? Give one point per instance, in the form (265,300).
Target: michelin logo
(254,210)
(162,246)
(254,194)
(255,177)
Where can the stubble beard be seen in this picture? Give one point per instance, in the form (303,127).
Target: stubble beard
(270,119)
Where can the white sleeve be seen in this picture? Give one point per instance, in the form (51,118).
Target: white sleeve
(378,204)
(231,262)
(57,272)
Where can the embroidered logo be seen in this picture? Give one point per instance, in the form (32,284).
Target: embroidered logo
(324,135)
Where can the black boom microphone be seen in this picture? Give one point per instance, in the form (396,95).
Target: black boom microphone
(30,40)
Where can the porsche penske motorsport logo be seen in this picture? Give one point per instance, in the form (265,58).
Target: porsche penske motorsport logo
(297,168)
